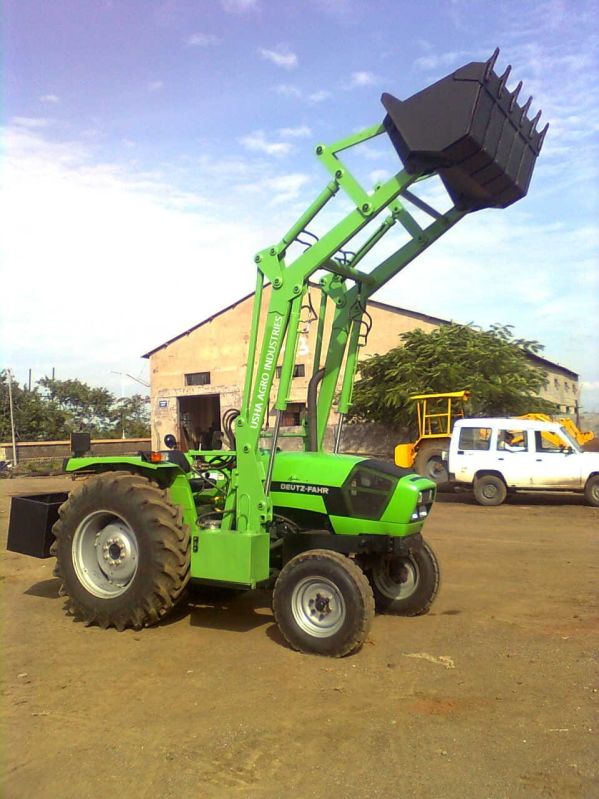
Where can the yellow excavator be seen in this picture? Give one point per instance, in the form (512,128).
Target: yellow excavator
(437,414)
(582,437)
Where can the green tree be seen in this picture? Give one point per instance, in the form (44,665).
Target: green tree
(35,418)
(87,408)
(491,364)
(132,417)
(53,409)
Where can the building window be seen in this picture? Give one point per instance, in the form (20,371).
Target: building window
(555,382)
(197,379)
(292,416)
(299,370)
(566,385)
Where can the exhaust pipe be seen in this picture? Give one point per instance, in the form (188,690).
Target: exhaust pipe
(312,411)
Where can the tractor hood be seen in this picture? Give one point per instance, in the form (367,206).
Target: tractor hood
(314,469)
(356,494)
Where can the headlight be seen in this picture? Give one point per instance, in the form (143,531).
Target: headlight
(421,512)
(425,499)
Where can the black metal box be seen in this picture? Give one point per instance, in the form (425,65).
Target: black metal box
(31,519)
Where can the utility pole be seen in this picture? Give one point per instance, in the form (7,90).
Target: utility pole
(12,418)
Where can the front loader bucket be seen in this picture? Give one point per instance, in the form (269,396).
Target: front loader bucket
(469,129)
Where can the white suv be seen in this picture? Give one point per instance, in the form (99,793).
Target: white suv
(498,455)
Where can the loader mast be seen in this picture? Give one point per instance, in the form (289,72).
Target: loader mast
(483,148)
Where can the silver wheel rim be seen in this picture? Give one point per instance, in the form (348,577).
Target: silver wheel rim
(490,491)
(105,554)
(389,585)
(318,606)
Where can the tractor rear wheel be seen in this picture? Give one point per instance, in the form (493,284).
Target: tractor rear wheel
(122,551)
(323,603)
(430,462)
(405,585)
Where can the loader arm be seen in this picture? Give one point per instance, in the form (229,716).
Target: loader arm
(468,130)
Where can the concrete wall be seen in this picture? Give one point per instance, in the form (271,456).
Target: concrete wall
(563,389)
(42,450)
(219,346)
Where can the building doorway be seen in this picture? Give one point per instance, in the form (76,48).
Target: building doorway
(199,417)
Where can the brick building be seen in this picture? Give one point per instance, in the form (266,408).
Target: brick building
(199,374)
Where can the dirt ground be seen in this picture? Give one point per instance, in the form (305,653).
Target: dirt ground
(493,695)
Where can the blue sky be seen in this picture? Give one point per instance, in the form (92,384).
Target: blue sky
(151,148)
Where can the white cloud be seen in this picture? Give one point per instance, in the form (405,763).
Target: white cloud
(155,85)
(286,187)
(50,98)
(287,90)
(437,60)
(379,175)
(363,79)
(282,56)
(370,153)
(203,40)
(319,96)
(31,123)
(96,253)
(257,142)
(301,132)
(239,6)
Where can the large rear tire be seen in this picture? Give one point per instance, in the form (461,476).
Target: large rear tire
(405,585)
(122,551)
(323,603)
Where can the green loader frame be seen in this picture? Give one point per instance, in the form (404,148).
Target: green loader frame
(232,515)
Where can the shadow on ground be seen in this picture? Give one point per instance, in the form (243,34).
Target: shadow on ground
(541,498)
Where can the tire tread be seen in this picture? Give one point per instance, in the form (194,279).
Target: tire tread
(164,525)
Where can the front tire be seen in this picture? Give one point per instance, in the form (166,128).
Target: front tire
(122,551)
(405,585)
(489,490)
(591,491)
(323,603)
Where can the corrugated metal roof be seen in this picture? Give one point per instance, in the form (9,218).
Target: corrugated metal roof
(374,303)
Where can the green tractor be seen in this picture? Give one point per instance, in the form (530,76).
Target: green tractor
(336,535)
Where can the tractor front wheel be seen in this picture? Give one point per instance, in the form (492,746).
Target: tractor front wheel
(405,585)
(323,603)
(122,551)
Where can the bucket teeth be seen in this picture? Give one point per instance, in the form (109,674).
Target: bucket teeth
(491,63)
(534,122)
(525,108)
(515,94)
(503,80)
(542,134)
(469,128)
